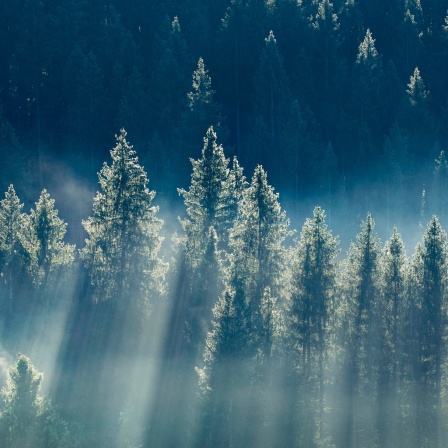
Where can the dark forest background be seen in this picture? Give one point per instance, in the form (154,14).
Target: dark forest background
(224,327)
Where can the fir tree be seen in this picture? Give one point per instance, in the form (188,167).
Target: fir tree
(431,333)
(258,256)
(27,418)
(11,220)
(313,279)
(207,199)
(392,313)
(361,301)
(42,236)
(121,252)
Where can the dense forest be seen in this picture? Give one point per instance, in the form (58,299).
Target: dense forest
(156,159)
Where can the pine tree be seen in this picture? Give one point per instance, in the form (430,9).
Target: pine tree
(258,256)
(207,198)
(392,311)
(27,418)
(121,252)
(174,63)
(313,279)
(326,25)
(239,351)
(11,220)
(203,111)
(431,334)
(415,117)
(42,236)
(271,104)
(368,76)
(361,301)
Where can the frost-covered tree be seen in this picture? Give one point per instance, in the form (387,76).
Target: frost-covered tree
(430,328)
(202,111)
(392,309)
(258,255)
(361,295)
(207,199)
(42,236)
(226,371)
(123,241)
(27,419)
(239,350)
(415,115)
(309,323)
(11,219)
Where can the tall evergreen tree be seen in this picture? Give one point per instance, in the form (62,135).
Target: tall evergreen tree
(207,199)
(271,104)
(202,111)
(392,313)
(42,236)
(431,334)
(121,252)
(257,264)
(27,419)
(361,301)
(415,116)
(309,311)
(11,220)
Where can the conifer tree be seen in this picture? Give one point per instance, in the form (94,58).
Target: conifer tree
(258,256)
(211,202)
(361,297)
(368,76)
(27,419)
(271,103)
(11,220)
(174,63)
(392,313)
(431,327)
(313,279)
(326,24)
(48,257)
(239,357)
(121,252)
(226,371)
(207,199)
(415,116)
(203,111)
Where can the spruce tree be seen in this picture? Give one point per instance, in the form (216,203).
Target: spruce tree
(309,323)
(202,110)
(432,324)
(11,220)
(27,419)
(207,198)
(123,241)
(42,236)
(239,354)
(258,256)
(361,280)
(392,309)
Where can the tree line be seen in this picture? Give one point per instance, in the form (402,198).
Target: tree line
(325,95)
(268,340)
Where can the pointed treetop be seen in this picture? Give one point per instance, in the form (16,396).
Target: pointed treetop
(270,40)
(367,53)
(175,26)
(416,91)
(202,86)
(325,18)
